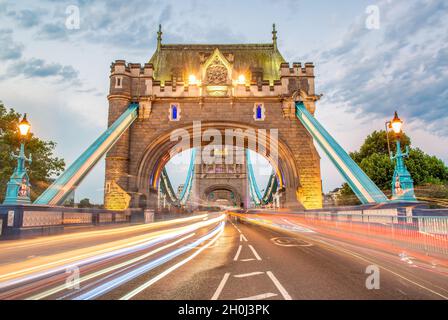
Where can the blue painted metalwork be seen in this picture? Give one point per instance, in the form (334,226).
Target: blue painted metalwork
(18,187)
(167,188)
(71,177)
(402,183)
(254,192)
(364,188)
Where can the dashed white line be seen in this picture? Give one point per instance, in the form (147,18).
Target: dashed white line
(221,286)
(250,259)
(280,288)
(255,253)
(259,296)
(244,275)
(235,226)
(243,238)
(237,253)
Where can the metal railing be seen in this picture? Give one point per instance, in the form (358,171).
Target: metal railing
(426,234)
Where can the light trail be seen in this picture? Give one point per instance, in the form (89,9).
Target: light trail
(108,286)
(373,235)
(97,255)
(106,270)
(10,245)
(136,291)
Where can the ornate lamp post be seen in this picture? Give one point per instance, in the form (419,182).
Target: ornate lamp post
(18,188)
(402,183)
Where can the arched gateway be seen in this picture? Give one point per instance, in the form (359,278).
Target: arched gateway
(231,86)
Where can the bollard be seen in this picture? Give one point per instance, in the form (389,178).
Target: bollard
(149,215)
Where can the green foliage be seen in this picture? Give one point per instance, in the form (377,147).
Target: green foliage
(374,160)
(376,142)
(85,203)
(44,166)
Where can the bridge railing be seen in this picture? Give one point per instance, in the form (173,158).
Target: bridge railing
(426,234)
(18,220)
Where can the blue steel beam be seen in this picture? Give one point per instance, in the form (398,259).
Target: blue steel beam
(72,177)
(254,191)
(168,189)
(364,188)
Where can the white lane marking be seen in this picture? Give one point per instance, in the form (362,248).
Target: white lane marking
(243,275)
(280,288)
(171,269)
(103,271)
(235,226)
(237,253)
(286,242)
(382,267)
(255,253)
(260,296)
(250,259)
(221,286)
(243,238)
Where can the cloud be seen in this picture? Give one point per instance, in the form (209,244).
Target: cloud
(27,18)
(402,66)
(39,68)
(10,50)
(52,31)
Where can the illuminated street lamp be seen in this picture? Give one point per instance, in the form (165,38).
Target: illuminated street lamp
(402,183)
(18,188)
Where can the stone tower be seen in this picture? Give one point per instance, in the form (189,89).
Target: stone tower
(238,86)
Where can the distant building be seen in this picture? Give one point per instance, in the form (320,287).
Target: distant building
(180,188)
(70,200)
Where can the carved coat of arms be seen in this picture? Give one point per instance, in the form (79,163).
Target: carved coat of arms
(216,73)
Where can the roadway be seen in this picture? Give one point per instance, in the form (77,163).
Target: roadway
(204,259)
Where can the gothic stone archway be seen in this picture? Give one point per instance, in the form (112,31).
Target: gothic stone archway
(218,101)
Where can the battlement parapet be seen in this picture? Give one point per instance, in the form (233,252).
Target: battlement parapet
(135,79)
(297,70)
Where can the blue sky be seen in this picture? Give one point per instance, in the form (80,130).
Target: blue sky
(60,76)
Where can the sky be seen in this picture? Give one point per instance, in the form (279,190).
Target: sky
(371,58)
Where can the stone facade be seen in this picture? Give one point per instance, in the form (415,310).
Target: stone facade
(218,85)
(220,182)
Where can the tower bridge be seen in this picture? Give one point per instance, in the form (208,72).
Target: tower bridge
(205,90)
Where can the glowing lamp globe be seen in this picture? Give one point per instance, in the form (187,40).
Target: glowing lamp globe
(24,126)
(191,79)
(396,124)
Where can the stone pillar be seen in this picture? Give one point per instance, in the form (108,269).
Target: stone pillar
(117,159)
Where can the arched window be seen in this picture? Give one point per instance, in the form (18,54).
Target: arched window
(259,112)
(174,112)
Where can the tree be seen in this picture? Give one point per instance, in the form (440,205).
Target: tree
(85,203)
(45,165)
(374,160)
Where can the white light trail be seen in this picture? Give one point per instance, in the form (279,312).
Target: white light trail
(108,286)
(95,256)
(106,270)
(133,293)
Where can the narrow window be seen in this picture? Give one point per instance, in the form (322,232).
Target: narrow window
(259,112)
(174,112)
(118,82)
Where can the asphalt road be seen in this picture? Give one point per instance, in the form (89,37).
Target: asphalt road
(240,260)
